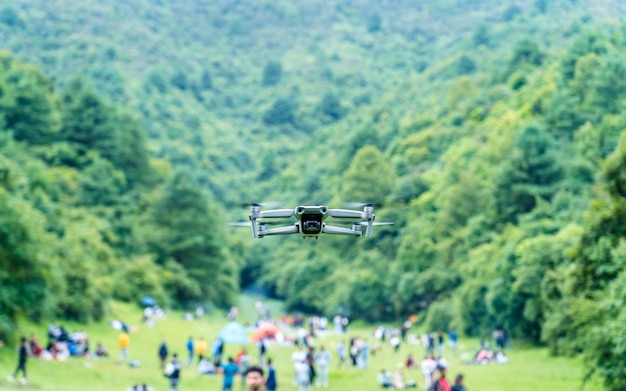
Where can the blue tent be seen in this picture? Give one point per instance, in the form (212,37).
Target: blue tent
(233,332)
(148,301)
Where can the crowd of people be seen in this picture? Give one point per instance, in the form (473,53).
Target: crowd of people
(312,358)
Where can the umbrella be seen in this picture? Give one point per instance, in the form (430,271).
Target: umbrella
(265,330)
(233,332)
(148,301)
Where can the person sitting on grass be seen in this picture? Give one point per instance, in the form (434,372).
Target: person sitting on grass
(410,363)
(206,368)
(398,380)
(384,379)
(100,352)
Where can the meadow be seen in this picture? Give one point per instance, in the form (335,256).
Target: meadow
(528,369)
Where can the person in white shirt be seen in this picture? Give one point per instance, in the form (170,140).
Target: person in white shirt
(428,366)
(322,360)
(297,357)
(302,376)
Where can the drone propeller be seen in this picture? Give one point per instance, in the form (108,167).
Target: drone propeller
(356,204)
(267,204)
(364,222)
(240,223)
(249,223)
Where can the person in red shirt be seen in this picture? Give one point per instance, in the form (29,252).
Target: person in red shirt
(441,384)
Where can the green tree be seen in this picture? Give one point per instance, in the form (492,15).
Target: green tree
(531,171)
(369,178)
(526,52)
(272,73)
(28,281)
(206,81)
(331,107)
(374,23)
(281,112)
(186,230)
(11,18)
(179,80)
(481,35)
(465,65)
(31,110)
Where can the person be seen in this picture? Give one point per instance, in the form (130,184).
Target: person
(100,351)
(200,346)
(297,357)
(353,350)
(322,360)
(453,340)
(189,347)
(262,350)
(410,363)
(140,387)
(229,371)
(218,350)
(254,378)
(341,353)
(172,372)
(123,342)
(310,360)
(302,375)
(398,380)
(395,343)
(458,383)
(199,311)
(384,379)
(441,383)
(205,367)
(243,360)
(271,384)
(501,358)
(428,366)
(363,353)
(21,361)
(35,348)
(162,353)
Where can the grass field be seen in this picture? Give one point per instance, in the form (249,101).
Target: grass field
(528,368)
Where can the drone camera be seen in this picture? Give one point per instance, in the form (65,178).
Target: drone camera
(311,224)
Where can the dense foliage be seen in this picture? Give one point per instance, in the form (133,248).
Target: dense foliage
(489,132)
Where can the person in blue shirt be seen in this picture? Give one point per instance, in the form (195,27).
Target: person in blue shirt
(163,353)
(270,384)
(190,350)
(229,371)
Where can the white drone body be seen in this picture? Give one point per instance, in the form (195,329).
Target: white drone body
(311,221)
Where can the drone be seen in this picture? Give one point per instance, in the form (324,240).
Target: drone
(311,221)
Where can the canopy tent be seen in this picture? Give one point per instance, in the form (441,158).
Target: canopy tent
(265,330)
(233,332)
(148,301)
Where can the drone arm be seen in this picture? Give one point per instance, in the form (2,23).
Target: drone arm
(284,213)
(329,229)
(345,213)
(292,229)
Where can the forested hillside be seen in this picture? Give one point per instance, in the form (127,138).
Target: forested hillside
(490,132)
